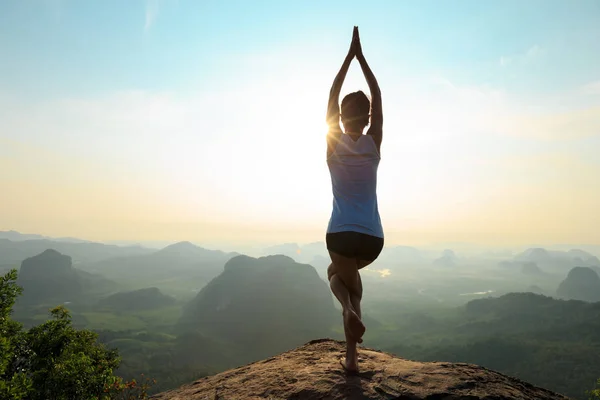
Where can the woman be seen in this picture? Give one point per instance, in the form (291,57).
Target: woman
(354,235)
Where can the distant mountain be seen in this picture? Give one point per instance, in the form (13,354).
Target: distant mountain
(531,268)
(497,254)
(448,259)
(300,253)
(189,251)
(528,312)
(584,255)
(402,255)
(142,299)
(584,258)
(320,263)
(582,283)
(151,244)
(180,260)
(525,267)
(14,252)
(18,237)
(265,305)
(558,260)
(287,249)
(535,289)
(49,277)
(537,254)
(519,334)
(95,284)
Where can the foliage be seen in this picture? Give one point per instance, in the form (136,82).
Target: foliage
(547,342)
(595,394)
(54,360)
(14,383)
(118,389)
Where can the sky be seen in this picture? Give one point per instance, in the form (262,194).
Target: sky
(205,120)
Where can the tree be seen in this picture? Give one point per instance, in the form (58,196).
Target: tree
(55,360)
(14,382)
(67,363)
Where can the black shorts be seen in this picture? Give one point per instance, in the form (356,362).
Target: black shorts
(354,245)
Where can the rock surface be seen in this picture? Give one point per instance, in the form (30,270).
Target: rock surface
(313,371)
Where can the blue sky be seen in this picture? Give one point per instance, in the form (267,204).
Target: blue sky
(55,47)
(182,117)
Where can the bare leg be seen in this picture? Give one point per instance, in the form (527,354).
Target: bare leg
(350,320)
(340,275)
(351,350)
(345,294)
(351,362)
(356,296)
(339,290)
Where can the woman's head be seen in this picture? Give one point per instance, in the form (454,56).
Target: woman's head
(355,111)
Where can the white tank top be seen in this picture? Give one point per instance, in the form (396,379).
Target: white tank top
(353,169)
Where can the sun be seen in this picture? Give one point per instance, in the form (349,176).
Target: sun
(296,172)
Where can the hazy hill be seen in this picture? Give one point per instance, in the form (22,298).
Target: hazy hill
(525,267)
(533,307)
(529,312)
(268,304)
(286,249)
(313,371)
(581,283)
(558,260)
(180,265)
(321,264)
(17,236)
(402,255)
(447,259)
(584,255)
(300,253)
(518,315)
(14,252)
(551,343)
(142,299)
(535,289)
(182,254)
(531,268)
(49,277)
(95,284)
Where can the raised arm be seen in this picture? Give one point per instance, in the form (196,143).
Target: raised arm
(376,128)
(333,106)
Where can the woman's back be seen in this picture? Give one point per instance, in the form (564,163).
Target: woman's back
(353,168)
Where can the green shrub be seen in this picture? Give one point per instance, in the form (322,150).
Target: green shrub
(54,360)
(595,394)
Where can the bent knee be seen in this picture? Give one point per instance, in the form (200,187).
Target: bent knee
(330,271)
(350,277)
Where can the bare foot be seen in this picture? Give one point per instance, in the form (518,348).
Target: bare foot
(354,325)
(350,365)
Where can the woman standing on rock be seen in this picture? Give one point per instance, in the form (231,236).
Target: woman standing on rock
(354,234)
